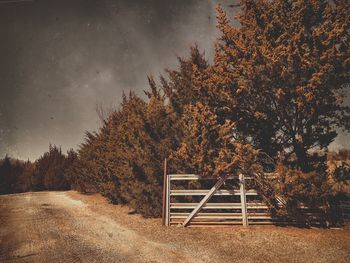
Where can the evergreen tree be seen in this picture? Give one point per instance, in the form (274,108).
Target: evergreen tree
(140,142)
(7,179)
(178,86)
(280,76)
(209,148)
(50,170)
(15,175)
(25,180)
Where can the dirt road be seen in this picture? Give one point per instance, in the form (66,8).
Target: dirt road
(69,227)
(53,227)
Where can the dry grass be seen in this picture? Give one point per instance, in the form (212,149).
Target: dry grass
(253,244)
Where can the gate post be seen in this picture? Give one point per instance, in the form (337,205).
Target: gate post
(164,207)
(167,196)
(243,199)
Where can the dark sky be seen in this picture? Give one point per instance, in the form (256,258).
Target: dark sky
(58,59)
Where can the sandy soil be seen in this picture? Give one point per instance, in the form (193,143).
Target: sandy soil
(70,227)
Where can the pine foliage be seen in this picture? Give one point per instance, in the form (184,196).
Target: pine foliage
(283,74)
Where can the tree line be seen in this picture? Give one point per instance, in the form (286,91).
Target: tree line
(46,173)
(275,88)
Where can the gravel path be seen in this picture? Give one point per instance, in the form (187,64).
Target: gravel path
(53,227)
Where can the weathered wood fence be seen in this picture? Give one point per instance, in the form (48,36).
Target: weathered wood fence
(183,208)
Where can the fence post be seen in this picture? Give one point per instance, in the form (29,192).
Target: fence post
(243,199)
(164,192)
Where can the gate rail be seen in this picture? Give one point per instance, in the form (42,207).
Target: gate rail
(204,213)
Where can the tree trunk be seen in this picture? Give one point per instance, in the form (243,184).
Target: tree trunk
(302,158)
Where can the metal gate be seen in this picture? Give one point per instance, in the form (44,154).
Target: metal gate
(241,205)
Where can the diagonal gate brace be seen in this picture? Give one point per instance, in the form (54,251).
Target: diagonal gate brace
(204,200)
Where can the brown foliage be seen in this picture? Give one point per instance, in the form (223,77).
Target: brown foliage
(208,147)
(281,75)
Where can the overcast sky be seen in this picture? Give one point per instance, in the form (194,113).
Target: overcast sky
(58,59)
